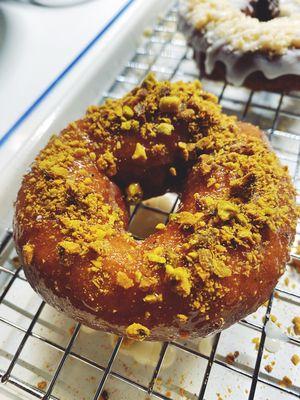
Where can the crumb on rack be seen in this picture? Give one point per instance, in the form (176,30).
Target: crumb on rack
(256,341)
(41,385)
(286,281)
(268,368)
(231,357)
(296,322)
(286,382)
(295,359)
(273,318)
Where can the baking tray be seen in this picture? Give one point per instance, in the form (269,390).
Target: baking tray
(44,354)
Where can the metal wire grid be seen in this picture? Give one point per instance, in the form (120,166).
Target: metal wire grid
(165,52)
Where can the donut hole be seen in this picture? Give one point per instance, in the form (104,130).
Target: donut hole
(151,212)
(263,10)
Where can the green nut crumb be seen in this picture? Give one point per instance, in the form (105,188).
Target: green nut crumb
(165,129)
(169,104)
(128,112)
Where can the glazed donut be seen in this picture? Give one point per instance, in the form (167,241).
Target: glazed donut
(252,43)
(214,262)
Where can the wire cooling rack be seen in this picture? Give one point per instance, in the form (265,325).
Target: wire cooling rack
(46,355)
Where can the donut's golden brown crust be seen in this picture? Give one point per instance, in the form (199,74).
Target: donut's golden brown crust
(216,260)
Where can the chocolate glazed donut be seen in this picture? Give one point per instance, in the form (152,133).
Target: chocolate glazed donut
(251,43)
(214,262)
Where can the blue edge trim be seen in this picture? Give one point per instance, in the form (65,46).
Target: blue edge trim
(63,73)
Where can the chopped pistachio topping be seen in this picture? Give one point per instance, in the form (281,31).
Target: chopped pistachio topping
(160,226)
(173,171)
(137,331)
(70,247)
(153,298)
(134,193)
(169,104)
(27,251)
(182,318)
(139,152)
(156,255)
(165,129)
(124,280)
(182,277)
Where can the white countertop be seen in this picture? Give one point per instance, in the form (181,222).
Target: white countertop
(38,43)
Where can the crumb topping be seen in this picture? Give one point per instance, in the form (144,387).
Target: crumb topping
(181,277)
(139,152)
(153,298)
(137,331)
(124,280)
(69,247)
(134,193)
(160,226)
(182,318)
(27,251)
